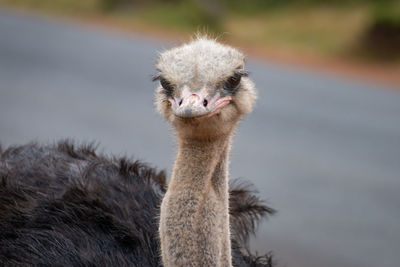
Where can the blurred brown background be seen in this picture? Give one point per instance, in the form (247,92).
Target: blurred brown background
(360,38)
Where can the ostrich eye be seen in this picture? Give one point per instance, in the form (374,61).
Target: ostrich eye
(168,88)
(232,83)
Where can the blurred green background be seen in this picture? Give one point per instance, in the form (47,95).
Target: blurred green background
(364,30)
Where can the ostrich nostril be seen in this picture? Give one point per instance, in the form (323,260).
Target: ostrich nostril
(205,103)
(180,102)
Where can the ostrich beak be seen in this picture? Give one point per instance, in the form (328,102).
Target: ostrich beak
(199,104)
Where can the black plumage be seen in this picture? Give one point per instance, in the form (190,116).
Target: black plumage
(66,205)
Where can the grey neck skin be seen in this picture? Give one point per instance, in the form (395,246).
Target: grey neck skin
(197,161)
(194,224)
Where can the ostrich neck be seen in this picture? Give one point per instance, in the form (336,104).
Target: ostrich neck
(200,163)
(194,223)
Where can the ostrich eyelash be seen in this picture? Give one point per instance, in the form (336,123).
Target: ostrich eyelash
(232,83)
(242,72)
(156,77)
(167,87)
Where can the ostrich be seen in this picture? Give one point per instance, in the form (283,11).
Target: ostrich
(67,205)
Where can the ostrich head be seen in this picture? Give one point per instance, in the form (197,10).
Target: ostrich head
(204,89)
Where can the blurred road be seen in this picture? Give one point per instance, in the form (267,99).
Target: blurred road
(323,151)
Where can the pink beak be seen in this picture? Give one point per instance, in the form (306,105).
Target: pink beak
(194,105)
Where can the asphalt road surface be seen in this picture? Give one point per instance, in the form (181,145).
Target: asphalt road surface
(323,151)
